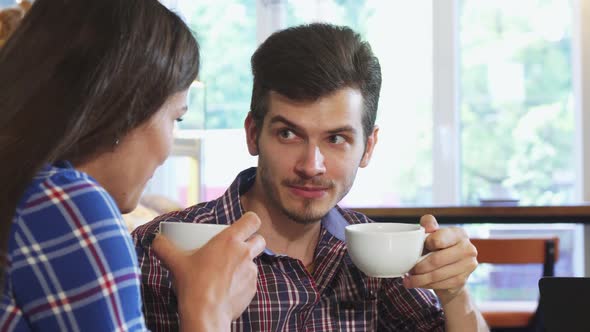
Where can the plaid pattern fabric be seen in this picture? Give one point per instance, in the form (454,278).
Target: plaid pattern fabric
(336,297)
(71,261)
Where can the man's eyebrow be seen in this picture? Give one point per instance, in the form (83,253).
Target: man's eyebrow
(348,129)
(280,118)
(343,129)
(184,108)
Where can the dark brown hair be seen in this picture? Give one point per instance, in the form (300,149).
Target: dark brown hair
(78,75)
(312,61)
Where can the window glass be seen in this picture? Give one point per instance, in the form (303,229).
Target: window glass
(498,282)
(7,3)
(226,31)
(517,114)
(517,130)
(220,100)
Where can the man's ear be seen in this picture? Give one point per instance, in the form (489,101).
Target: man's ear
(251,134)
(371,142)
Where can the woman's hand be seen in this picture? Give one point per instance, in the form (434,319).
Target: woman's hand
(215,283)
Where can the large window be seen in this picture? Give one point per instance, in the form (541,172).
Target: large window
(517,133)
(515,130)
(517,105)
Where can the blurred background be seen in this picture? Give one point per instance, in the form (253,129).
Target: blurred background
(479,106)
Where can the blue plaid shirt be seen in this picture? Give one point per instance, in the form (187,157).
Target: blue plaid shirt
(72,266)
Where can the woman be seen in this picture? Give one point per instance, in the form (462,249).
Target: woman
(89,94)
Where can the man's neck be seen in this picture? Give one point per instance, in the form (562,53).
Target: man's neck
(282,235)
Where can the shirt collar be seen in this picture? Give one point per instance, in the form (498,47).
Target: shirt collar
(49,169)
(228,207)
(333,221)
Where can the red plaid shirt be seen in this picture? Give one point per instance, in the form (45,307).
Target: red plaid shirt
(335,297)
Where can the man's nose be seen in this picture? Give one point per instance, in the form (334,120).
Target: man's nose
(311,163)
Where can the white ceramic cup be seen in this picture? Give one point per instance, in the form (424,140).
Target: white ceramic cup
(385,250)
(189,236)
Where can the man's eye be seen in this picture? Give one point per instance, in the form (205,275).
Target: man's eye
(179,119)
(337,139)
(286,134)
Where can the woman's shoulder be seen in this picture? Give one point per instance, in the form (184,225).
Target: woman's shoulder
(60,175)
(58,185)
(63,193)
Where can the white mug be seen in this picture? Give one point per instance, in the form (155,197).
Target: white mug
(385,250)
(190,236)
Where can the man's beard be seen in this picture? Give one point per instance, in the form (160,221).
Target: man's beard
(305,216)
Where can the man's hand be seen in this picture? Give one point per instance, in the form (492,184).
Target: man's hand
(447,268)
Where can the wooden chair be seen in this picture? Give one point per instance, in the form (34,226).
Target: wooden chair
(516,251)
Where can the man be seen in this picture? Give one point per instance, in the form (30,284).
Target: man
(312,124)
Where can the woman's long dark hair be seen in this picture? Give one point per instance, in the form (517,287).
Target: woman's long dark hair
(78,75)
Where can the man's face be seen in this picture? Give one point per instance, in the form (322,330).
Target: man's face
(309,152)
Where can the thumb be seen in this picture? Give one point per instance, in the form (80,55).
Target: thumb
(429,223)
(166,251)
(244,227)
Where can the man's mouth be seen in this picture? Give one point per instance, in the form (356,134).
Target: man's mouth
(308,191)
